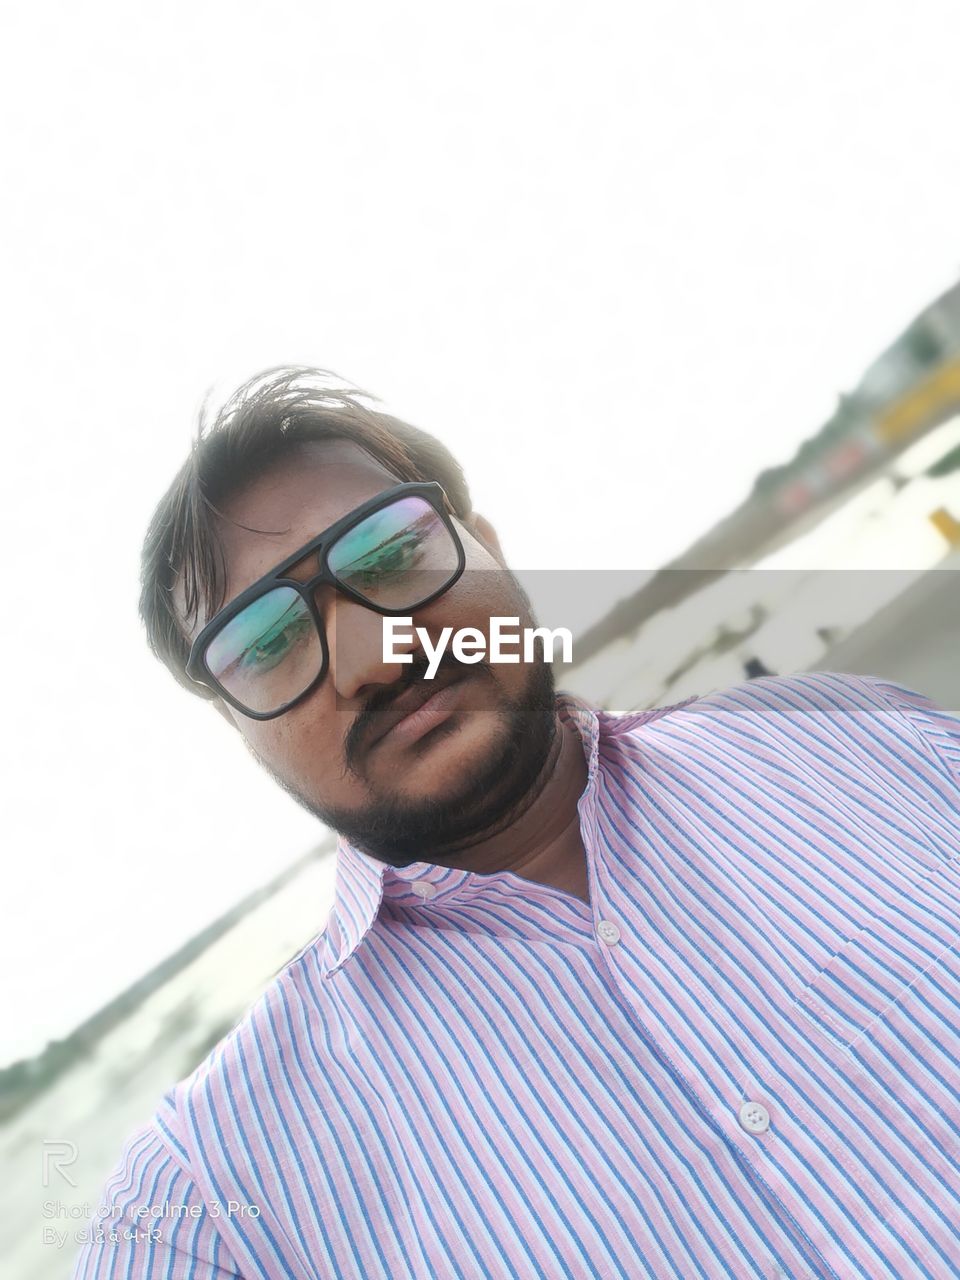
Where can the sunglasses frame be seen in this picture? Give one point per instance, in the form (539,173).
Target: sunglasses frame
(196,666)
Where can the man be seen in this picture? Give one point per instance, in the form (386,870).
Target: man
(672,993)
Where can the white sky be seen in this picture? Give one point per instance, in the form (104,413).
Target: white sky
(619,256)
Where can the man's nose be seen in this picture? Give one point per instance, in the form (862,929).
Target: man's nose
(355,643)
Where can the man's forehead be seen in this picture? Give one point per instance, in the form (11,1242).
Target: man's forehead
(296,498)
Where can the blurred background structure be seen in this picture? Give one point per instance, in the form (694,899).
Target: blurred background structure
(909,391)
(884,472)
(840,541)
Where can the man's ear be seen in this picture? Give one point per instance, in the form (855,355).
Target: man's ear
(483,530)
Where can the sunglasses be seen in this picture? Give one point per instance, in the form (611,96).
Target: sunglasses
(267,649)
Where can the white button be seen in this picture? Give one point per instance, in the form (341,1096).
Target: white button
(754,1117)
(608,931)
(423,888)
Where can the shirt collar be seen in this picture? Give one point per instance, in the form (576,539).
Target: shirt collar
(363,881)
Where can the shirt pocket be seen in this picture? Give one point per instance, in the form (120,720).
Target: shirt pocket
(888,1001)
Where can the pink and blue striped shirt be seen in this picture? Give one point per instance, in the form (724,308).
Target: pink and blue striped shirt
(740,1059)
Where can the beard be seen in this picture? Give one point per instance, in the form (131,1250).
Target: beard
(398,831)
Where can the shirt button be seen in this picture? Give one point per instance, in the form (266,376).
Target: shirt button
(423,888)
(754,1117)
(608,931)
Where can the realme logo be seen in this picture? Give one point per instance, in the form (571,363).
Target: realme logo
(470,645)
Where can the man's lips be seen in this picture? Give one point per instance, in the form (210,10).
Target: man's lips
(418,709)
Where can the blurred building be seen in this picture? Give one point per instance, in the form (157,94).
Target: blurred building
(910,389)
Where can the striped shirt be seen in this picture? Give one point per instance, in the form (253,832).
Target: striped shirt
(740,1059)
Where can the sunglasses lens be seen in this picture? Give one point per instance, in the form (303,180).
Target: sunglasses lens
(397,557)
(269,653)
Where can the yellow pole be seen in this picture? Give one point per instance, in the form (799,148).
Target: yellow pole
(948,525)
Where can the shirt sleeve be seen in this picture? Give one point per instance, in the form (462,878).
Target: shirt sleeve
(937,729)
(151,1222)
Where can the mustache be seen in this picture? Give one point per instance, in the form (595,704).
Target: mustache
(378,701)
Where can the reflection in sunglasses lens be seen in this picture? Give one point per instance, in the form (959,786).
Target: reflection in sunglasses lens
(269,653)
(396,557)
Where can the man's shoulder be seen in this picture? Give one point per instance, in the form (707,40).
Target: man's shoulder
(811,695)
(811,705)
(254,1061)
(802,697)
(877,708)
(176,1156)
(877,716)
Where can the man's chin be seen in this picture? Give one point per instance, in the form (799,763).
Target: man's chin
(429,795)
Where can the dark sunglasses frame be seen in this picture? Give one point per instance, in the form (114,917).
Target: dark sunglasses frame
(200,673)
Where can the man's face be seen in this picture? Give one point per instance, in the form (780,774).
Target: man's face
(400,793)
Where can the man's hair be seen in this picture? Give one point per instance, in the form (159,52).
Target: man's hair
(263,420)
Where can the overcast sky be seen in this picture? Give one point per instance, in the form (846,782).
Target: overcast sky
(620,257)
